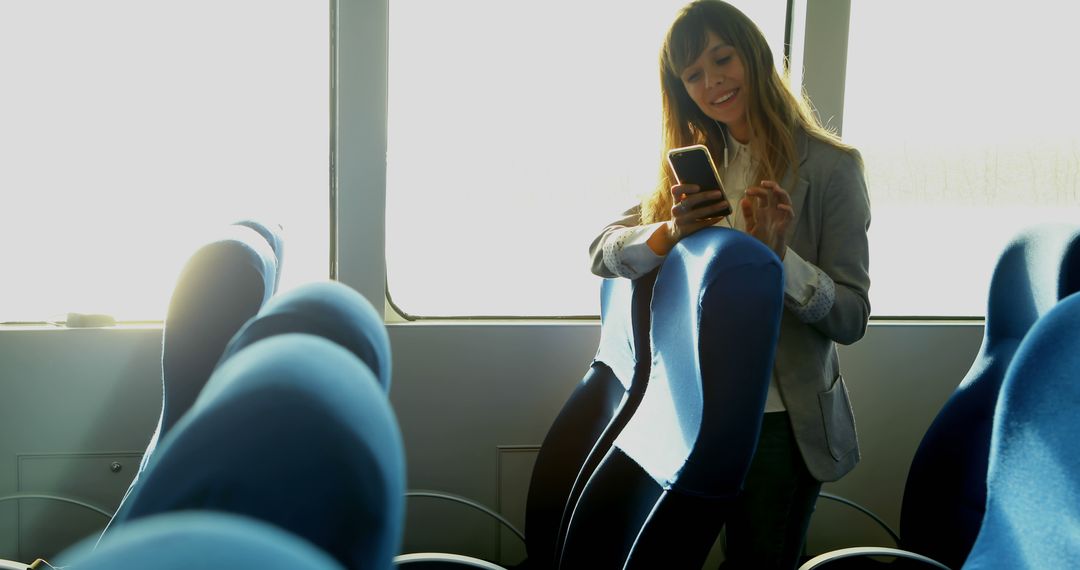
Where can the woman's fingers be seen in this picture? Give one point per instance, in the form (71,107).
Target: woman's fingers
(782,197)
(712,211)
(768,212)
(694,206)
(696,199)
(759,195)
(747,207)
(690,210)
(679,192)
(770,196)
(777,195)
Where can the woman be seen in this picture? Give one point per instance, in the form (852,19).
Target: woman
(796,188)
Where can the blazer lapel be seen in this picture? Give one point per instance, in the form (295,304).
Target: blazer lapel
(796,188)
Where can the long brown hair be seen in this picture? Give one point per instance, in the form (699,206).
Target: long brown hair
(773,112)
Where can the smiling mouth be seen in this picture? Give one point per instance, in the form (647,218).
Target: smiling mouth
(725,98)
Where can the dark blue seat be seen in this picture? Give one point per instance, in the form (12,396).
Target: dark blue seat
(945,493)
(273,233)
(692,422)
(296,431)
(223,284)
(185,541)
(329,309)
(581,434)
(593,416)
(220,286)
(1033,488)
(662,492)
(1032,508)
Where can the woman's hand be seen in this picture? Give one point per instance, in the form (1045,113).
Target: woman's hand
(686,217)
(768,213)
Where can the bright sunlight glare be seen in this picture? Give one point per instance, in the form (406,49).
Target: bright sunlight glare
(964,114)
(516,132)
(133,130)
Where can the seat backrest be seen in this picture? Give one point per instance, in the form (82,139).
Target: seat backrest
(329,309)
(183,541)
(945,494)
(659,497)
(273,233)
(592,417)
(293,430)
(220,287)
(1033,500)
(223,284)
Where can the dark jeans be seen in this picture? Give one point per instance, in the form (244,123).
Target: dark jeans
(768,526)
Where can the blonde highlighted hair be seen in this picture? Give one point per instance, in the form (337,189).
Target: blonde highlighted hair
(774,112)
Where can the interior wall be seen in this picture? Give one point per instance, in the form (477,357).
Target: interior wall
(464,394)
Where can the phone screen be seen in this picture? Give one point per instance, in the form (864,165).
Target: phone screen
(694,165)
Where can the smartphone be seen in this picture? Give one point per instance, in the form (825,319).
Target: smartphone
(694,165)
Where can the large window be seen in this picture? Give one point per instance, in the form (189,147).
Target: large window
(965,114)
(517,130)
(131,130)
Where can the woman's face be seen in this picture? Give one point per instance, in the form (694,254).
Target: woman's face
(714,82)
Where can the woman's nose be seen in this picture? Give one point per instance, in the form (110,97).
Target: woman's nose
(714,78)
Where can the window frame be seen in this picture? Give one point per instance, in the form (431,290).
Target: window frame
(814,50)
(358,189)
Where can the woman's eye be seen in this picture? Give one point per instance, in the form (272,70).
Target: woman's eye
(723,60)
(692,77)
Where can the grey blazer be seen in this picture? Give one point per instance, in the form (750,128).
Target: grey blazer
(832,216)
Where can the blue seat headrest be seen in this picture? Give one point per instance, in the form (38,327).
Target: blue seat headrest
(296,431)
(945,493)
(187,540)
(329,309)
(1033,493)
(716,310)
(1038,268)
(222,285)
(273,235)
